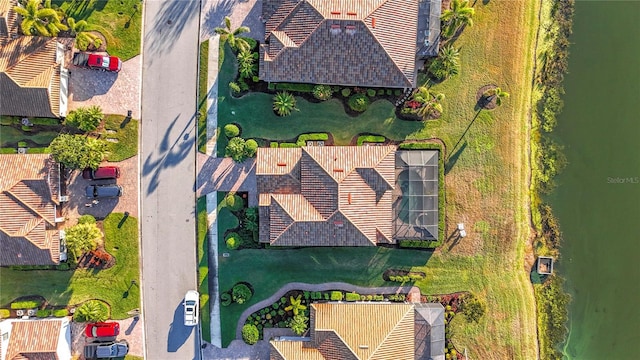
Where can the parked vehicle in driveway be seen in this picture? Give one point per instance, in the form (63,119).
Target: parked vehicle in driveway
(191,300)
(103,191)
(106,350)
(103,172)
(97,61)
(102,329)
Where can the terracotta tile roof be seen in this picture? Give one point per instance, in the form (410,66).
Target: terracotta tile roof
(346,42)
(8,19)
(343,331)
(30,77)
(34,339)
(29,189)
(331,196)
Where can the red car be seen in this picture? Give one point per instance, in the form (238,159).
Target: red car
(102,329)
(97,61)
(103,172)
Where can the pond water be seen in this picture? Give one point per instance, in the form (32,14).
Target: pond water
(598,200)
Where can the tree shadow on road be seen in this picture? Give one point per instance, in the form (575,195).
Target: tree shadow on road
(170,22)
(170,154)
(178,332)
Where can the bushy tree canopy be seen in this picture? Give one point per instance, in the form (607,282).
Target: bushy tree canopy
(82,238)
(77,151)
(250,334)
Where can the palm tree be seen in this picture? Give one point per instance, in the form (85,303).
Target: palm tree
(458,14)
(497,94)
(93,311)
(284,103)
(37,20)
(299,324)
(447,63)
(296,305)
(246,67)
(430,101)
(236,43)
(83,37)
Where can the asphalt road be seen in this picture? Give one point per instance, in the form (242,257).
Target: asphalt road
(167,165)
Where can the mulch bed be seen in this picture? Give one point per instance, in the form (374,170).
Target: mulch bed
(97,259)
(482,101)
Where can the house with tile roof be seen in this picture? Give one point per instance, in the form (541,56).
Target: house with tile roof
(347,42)
(42,339)
(33,80)
(359,331)
(326,196)
(29,204)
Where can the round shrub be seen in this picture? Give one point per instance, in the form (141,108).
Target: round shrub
(92,311)
(4,313)
(43,313)
(225,299)
(86,219)
(241,293)
(231,130)
(251,147)
(60,313)
(346,92)
(322,92)
(371,92)
(233,201)
(358,102)
(233,241)
(250,334)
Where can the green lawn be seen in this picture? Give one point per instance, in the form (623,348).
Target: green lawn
(125,132)
(486,188)
(255,115)
(74,287)
(203,268)
(203,89)
(120,21)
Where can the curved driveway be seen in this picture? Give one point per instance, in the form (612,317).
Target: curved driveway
(167,161)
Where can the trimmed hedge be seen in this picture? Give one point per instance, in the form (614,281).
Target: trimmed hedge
(288,145)
(29,304)
(371,139)
(231,130)
(336,296)
(60,313)
(225,299)
(43,313)
(273,144)
(250,334)
(352,296)
(306,88)
(302,139)
(4,313)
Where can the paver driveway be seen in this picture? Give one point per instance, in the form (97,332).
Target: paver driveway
(114,92)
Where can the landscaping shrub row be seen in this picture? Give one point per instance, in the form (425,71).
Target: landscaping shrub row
(299,87)
(302,139)
(370,139)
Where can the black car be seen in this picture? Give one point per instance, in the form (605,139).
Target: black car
(103,191)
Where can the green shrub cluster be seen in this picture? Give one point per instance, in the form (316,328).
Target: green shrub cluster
(241,293)
(358,102)
(233,201)
(225,299)
(273,144)
(346,92)
(322,92)
(371,92)
(233,241)
(289,145)
(551,301)
(371,139)
(302,139)
(28,304)
(231,131)
(352,296)
(250,334)
(60,313)
(4,313)
(396,297)
(472,308)
(43,313)
(420,244)
(239,149)
(336,296)
(92,310)
(305,88)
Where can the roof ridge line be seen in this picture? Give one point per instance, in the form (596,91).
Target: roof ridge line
(286,212)
(411,309)
(318,163)
(285,16)
(375,242)
(341,339)
(26,205)
(387,52)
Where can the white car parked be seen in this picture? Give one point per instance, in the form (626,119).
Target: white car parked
(191,306)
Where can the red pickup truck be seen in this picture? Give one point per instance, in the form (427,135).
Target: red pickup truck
(96,61)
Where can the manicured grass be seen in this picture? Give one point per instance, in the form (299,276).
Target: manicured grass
(120,21)
(486,188)
(127,135)
(203,268)
(203,89)
(12,135)
(74,287)
(255,115)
